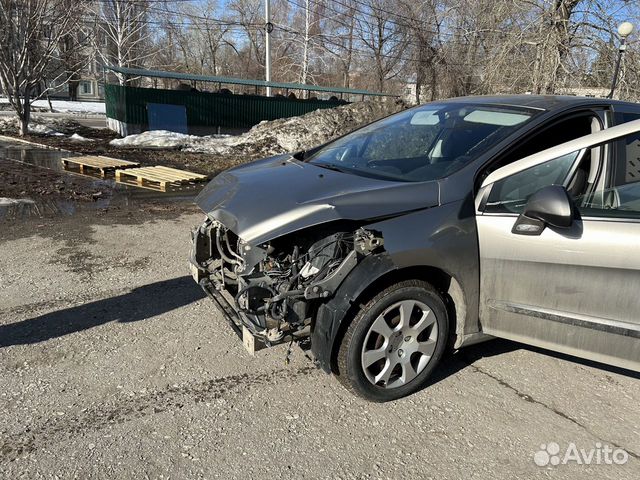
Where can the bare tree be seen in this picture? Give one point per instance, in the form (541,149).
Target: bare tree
(302,53)
(447,47)
(249,15)
(213,33)
(30,34)
(341,44)
(424,45)
(384,38)
(123,35)
(74,49)
(200,35)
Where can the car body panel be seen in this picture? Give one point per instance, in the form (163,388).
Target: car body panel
(440,238)
(571,288)
(431,224)
(574,290)
(265,201)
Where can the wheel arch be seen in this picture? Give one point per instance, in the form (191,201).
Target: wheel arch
(372,276)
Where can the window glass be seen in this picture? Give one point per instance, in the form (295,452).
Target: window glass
(510,194)
(621,196)
(86,88)
(626,117)
(422,144)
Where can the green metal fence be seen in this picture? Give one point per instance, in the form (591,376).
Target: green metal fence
(205,111)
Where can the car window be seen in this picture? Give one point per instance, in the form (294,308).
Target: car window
(624,117)
(422,144)
(395,143)
(620,198)
(510,194)
(576,126)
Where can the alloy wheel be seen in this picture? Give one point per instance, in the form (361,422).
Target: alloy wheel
(399,344)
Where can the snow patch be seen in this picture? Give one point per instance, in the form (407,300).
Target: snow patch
(299,133)
(67,106)
(44,126)
(41,129)
(273,137)
(79,138)
(5,202)
(156,139)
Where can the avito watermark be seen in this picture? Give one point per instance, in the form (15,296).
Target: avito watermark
(552,454)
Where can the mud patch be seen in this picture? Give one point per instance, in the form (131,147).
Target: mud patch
(78,226)
(24,181)
(126,408)
(75,259)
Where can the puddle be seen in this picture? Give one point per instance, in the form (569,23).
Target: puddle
(109,194)
(40,157)
(11,209)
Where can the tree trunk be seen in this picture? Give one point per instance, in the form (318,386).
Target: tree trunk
(434,83)
(73,86)
(25,115)
(347,62)
(48,98)
(419,75)
(305,55)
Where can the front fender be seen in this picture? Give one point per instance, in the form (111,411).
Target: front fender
(441,240)
(330,315)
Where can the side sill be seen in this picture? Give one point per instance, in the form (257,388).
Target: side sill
(471,339)
(594,323)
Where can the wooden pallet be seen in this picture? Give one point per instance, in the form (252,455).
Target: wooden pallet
(93,163)
(160,178)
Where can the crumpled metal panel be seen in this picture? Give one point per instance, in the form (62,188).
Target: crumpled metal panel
(280,195)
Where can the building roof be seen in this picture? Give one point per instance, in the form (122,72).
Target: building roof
(239,81)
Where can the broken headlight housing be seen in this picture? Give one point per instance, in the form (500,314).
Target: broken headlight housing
(277,287)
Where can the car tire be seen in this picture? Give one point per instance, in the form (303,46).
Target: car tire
(387,353)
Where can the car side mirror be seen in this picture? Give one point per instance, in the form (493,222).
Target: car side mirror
(551,206)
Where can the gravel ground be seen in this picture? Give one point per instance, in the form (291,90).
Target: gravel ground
(114,365)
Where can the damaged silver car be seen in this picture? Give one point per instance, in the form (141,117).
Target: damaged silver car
(437,227)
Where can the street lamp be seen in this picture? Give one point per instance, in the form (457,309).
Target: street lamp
(624,30)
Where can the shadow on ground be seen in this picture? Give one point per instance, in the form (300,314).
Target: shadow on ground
(468,356)
(139,304)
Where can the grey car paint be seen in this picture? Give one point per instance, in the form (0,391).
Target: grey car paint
(280,196)
(299,195)
(577,288)
(574,290)
(439,243)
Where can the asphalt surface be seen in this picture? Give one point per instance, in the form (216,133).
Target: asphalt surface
(114,365)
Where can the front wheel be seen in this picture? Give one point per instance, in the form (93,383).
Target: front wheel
(394,342)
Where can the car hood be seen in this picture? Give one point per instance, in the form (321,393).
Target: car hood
(276,196)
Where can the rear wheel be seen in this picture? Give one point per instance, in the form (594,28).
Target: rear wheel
(394,342)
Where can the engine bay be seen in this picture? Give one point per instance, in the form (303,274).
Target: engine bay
(276,287)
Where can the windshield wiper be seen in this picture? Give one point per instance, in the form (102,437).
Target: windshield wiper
(331,166)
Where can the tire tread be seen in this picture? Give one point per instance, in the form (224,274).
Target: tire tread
(345,375)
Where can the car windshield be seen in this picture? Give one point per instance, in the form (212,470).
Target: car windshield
(423,143)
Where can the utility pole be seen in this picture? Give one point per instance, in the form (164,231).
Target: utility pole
(268,28)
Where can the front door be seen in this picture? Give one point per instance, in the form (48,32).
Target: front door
(577,289)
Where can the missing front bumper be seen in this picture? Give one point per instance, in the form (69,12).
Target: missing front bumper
(250,340)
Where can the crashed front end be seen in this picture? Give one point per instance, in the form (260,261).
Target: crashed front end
(282,234)
(270,292)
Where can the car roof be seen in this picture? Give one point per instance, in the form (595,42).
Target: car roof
(543,102)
